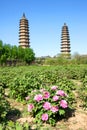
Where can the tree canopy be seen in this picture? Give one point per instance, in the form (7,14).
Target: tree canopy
(14,53)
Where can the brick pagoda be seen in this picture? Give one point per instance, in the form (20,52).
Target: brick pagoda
(24,32)
(65,42)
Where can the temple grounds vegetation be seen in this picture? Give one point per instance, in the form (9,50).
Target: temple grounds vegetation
(13,55)
(48,90)
(18,83)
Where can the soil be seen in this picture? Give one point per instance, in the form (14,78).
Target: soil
(77,121)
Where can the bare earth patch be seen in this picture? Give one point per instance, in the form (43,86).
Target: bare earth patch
(25,119)
(79,121)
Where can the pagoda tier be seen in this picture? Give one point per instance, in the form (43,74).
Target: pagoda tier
(65,42)
(24,32)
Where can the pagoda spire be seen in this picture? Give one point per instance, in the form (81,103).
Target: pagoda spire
(23,16)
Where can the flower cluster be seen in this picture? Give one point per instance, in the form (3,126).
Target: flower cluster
(46,102)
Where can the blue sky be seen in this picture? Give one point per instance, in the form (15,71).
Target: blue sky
(46,18)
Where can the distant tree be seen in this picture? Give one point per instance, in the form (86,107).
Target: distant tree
(10,55)
(14,52)
(1,48)
(20,53)
(29,55)
(7,51)
(3,59)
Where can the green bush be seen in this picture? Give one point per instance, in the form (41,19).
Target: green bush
(4,105)
(21,86)
(83,92)
(14,126)
(48,104)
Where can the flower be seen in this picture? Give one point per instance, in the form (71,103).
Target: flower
(45,117)
(54,87)
(27,98)
(54,109)
(55,98)
(61,93)
(46,95)
(30,107)
(63,104)
(46,105)
(38,97)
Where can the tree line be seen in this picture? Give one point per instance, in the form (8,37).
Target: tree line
(12,55)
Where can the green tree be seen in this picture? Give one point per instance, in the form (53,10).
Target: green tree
(7,51)
(20,53)
(1,48)
(10,53)
(14,52)
(29,55)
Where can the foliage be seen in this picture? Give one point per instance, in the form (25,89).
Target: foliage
(21,86)
(12,54)
(83,92)
(61,60)
(56,61)
(14,126)
(29,55)
(4,105)
(22,80)
(47,104)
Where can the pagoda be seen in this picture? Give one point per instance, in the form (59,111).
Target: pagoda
(24,32)
(65,42)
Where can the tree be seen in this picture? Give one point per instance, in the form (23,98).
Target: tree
(1,48)
(14,52)
(29,55)
(7,51)
(20,53)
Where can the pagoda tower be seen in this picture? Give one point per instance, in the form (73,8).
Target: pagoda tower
(24,32)
(65,42)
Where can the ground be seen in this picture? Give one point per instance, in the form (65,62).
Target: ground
(78,120)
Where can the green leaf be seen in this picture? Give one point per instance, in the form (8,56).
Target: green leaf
(61,112)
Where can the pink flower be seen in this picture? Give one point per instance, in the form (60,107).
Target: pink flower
(46,95)
(61,93)
(38,97)
(27,98)
(46,105)
(54,87)
(45,117)
(55,98)
(63,104)
(30,107)
(54,109)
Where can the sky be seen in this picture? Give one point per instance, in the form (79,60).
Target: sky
(46,18)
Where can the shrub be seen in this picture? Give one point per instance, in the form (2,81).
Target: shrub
(83,91)
(4,105)
(47,104)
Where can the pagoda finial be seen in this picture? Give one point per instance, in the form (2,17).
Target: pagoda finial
(23,17)
(64,24)
(23,14)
